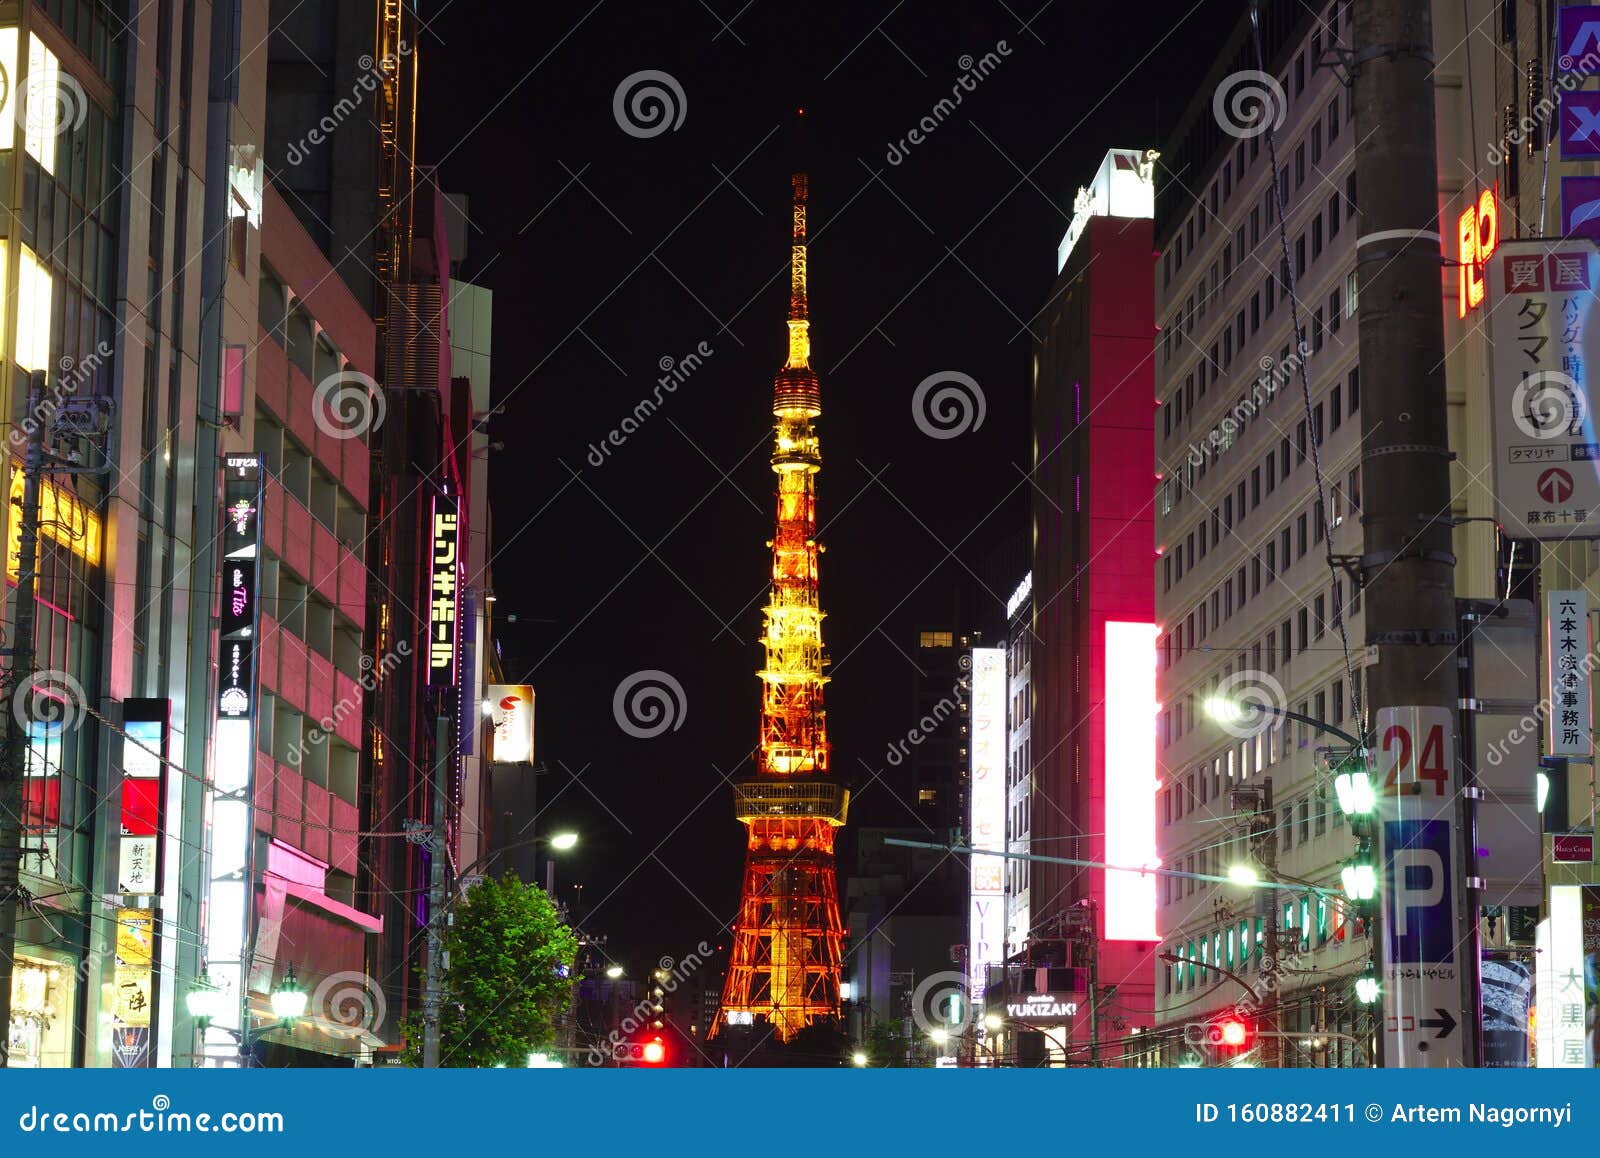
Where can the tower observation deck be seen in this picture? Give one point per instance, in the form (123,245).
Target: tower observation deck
(787,938)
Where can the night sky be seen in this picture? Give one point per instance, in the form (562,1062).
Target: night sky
(608,253)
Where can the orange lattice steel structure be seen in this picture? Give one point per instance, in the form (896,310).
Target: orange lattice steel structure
(787,940)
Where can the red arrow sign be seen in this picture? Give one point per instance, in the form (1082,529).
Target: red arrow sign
(1555,485)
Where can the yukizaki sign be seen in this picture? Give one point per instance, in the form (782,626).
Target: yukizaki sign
(1041,1008)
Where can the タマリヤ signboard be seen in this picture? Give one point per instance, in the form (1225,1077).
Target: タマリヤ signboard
(1415,767)
(1544,334)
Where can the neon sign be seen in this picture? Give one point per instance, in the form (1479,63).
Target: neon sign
(1477,235)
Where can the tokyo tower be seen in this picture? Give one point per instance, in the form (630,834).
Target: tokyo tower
(787,938)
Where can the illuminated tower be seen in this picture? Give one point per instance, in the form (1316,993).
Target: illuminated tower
(787,939)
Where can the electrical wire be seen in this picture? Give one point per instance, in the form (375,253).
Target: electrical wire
(1357,709)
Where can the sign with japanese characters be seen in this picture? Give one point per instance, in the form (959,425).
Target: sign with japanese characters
(1566,628)
(132,981)
(443,572)
(1543,325)
(1568,944)
(1415,764)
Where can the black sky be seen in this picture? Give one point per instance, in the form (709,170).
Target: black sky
(607,253)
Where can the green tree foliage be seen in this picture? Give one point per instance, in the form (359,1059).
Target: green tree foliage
(508,982)
(886,1043)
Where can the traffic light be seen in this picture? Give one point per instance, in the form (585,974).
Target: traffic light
(1230,1033)
(644,1051)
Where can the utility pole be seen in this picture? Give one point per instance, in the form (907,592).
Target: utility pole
(1263,835)
(13,763)
(1407,564)
(437,901)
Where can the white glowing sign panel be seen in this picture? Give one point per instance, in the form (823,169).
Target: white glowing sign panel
(1123,186)
(1565,1040)
(1130,780)
(987,794)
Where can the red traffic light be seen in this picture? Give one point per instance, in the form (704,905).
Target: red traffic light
(1233,1033)
(654,1052)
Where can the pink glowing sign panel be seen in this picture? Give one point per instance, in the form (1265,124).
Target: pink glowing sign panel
(1130,780)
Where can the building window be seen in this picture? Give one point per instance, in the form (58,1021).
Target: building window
(936,639)
(1353,382)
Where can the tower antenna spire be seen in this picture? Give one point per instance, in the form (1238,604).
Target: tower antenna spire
(799,305)
(788,939)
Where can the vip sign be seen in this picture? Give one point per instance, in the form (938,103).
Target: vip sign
(1477,236)
(1417,812)
(1544,334)
(443,571)
(1567,650)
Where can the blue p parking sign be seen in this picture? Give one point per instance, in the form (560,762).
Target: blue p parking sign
(1419,908)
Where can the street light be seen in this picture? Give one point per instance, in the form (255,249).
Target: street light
(562,841)
(1244,874)
(1353,786)
(289,999)
(614,971)
(204,1001)
(1367,988)
(858,1058)
(1360,880)
(1227,710)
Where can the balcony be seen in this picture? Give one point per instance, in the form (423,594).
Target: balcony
(791,800)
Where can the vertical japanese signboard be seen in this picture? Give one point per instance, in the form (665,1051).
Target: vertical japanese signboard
(230,876)
(1544,334)
(988,807)
(1417,802)
(1565,999)
(1567,651)
(443,573)
(132,982)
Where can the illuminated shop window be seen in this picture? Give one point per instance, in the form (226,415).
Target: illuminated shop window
(42,997)
(48,99)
